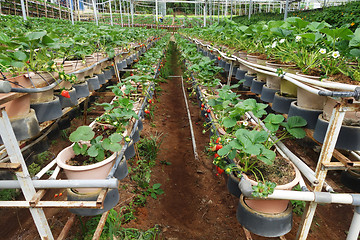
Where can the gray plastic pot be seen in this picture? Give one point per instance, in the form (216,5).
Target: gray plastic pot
(82,90)
(101,78)
(111,199)
(130,151)
(351,179)
(69,102)
(93,83)
(136,136)
(108,74)
(264,224)
(46,111)
(25,128)
(122,170)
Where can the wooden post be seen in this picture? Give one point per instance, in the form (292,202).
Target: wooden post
(46,15)
(59,10)
(27,8)
(37,9)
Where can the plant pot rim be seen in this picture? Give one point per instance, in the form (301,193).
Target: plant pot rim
(287,186)
(62,162)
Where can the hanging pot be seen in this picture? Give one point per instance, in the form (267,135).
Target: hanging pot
(351,179)
(47,110)
(25,127)
(99,170)
(82,90)
(348,139)
(281,104)
(111,199)
(93,83)
(310,115)
(122,170)
(69,102)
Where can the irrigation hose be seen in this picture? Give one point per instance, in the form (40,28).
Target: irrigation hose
(190,122)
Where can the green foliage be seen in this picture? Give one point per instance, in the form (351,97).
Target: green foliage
(262,190)
(8,194)
(95,148)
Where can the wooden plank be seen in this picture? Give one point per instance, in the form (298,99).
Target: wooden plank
(10,96)
(247,234)
(37,197)
(101,197)
(11,166)
(334,166)
(100,226)
(66,229)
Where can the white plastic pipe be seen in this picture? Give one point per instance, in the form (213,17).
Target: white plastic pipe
(90,183)
(95,13)
(45,169)
(354,230)
(111,17)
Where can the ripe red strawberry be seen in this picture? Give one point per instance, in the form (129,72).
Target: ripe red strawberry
(202,105)
(218,147)
(219,170)
(150,101)
(219,58)
(218,139)
(65,94)
(208,110)
(131,74)
(216,155)
(146,111)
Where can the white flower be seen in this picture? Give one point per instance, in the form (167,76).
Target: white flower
(335,54)
(273,45)
(282,40)
(267,46)
(322,51)
(297,38)
(245,123)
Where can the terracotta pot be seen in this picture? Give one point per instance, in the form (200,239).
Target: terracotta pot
(19,107)
(98,170)
(276,82)
(272,206)
(351,117)
(41,79)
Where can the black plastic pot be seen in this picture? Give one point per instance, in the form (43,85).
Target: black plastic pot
(310,115)
(111,199)
(267,94)
(240,74)
(227,67)
(46,111)
(64,123)
(281,104)
(351,179)
(235,68)
(233,186)
(140,125)
(25,128)
(222,64)
(248,80)
(256,86)
(82,90)
(349,136)
(264,224)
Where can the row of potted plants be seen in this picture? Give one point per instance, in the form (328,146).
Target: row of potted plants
(243,148)
(285,96)
(45,58)
(101,149)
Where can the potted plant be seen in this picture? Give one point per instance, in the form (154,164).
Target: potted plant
(90,156)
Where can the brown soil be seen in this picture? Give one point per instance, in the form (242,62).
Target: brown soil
(196,203)
(281,172)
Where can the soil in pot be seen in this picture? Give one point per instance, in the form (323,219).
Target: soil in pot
(283,173)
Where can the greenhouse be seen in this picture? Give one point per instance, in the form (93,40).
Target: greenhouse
(175,119)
